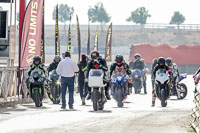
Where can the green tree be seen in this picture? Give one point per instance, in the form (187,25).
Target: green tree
(177,19)
(98,14)
(64,13)
(139,16)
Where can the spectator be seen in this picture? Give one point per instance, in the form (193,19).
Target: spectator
(81,78)
(66,69)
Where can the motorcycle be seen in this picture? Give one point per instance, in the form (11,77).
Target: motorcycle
(55,86)
(36,88)
(96,82)
(137,80)
(162,86)
(181,88)
(120,83)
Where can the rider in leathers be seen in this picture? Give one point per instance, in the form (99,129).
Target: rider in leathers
(54,64)
(97,63)
(120,68)
(174,76)
(139,64)
(155,62)
(52,67)
(36,66)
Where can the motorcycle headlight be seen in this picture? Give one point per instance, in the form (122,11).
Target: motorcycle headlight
(158,82)
(136,76)
(166,82)
(58,82)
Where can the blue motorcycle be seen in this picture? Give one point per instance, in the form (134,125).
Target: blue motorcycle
(137,80)
(120,85)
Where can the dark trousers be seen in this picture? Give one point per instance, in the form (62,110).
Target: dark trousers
(174,85)
(83,90)
(67,82)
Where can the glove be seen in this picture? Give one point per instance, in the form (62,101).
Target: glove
(125,67)
(100,66)
(46,86)
(31,80)
(86,80)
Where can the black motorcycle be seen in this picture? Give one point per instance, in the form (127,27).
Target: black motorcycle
(37,88)
(55,86)
(96,82)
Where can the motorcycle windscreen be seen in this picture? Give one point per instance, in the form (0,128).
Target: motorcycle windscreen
(162,76)
(36,75)
(54,75)
(95,78)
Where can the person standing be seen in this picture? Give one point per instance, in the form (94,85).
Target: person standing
(66,69)
(81,78)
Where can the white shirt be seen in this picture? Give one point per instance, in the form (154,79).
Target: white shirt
(67,67)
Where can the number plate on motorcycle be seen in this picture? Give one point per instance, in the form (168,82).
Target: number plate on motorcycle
(119,78)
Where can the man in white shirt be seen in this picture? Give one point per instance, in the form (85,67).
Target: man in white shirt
(66,69)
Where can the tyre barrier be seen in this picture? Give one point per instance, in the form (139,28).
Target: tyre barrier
(196,113)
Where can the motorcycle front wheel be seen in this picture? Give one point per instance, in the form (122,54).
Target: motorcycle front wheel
(119,97)
(36,98)
(137,87)
(162,98)
(183,90)
(95,99)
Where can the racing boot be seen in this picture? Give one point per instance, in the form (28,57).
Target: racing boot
(153,104)
(107,95)
(89,95)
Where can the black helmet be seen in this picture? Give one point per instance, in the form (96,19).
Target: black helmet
(161,61)
(119,58)
(137,56)
(168,61)
(36,58)
(155,60)
(57,57)
(94,54)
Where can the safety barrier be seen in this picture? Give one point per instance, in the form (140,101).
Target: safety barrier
(8,83)
(196,113)
(10,94)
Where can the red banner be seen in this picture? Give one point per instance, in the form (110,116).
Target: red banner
(181,55)
(21,17)
(31,32)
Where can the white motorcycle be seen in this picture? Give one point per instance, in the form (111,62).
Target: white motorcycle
(162,86)
(95,81)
